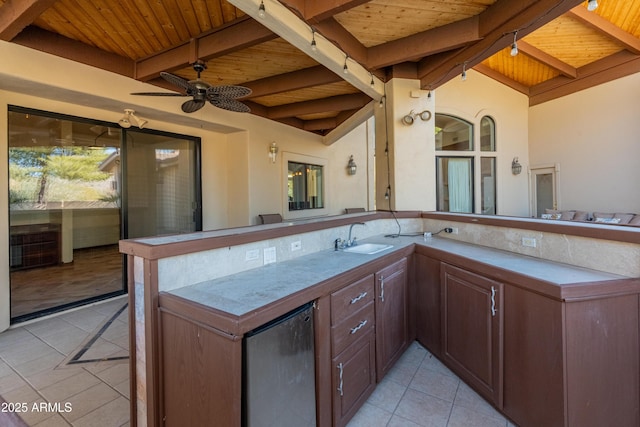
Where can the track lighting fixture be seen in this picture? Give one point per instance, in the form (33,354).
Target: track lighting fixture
(514,45)
(408,120)
(381,103)
(314,46)
(345,69)
(592,5)
(372,82)
(130,118)
(464,72)
(262,12)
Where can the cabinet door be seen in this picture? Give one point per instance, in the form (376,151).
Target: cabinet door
(472,329)
(354,378)
(391,316)
(427,303)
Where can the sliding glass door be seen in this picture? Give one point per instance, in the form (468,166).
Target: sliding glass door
(77,187)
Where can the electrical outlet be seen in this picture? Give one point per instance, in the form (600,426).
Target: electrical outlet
(296,246)
(252,255)
(270,255)
(451,230)
(529,242)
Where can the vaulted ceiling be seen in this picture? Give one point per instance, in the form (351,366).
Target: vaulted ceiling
(562,46)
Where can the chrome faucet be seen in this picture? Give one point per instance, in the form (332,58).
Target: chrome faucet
(350,241)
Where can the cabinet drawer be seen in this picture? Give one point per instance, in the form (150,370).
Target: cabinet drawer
(351,298)
(352,328)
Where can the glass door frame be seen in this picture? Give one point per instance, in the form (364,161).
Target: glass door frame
(534,171)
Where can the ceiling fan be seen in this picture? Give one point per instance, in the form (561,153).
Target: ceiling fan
(224,97)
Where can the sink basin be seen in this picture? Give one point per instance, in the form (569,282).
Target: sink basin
(368,248)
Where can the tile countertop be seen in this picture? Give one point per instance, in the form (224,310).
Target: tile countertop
(251,290)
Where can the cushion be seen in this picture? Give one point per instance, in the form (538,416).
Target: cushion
(563,215)
(597,215)
(635,220)
(551,216)
(581,216)
(608,220)
(624,218)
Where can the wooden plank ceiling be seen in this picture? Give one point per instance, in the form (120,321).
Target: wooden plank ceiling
(562,46)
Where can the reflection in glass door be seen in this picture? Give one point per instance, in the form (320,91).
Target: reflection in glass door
(75,190)
(162,185)
(543,190)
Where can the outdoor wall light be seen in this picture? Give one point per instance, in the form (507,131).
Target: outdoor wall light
(130,118)
(273,152)
(408,120)
(351,166)
(516,167)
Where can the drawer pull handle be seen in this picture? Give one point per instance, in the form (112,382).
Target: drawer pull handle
(358,298)
(341,368)
(382,288)
(357,328)
(493,301)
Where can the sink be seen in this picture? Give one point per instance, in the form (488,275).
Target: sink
(368,248)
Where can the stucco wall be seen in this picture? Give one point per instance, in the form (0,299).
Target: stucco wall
(594,137)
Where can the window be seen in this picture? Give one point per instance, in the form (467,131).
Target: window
(458,170)
(305,186)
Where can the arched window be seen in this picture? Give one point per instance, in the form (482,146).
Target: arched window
(463,168)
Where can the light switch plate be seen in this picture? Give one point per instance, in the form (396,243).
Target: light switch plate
(270,255)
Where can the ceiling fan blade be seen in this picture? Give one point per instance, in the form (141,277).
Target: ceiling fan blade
(228,91)
(158,94)
(180,82)
(229,104)
(192,105)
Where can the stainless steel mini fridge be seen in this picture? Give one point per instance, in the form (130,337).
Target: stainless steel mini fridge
(279,372)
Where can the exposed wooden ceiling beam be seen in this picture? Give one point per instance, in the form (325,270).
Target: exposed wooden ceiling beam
(301,79)
(610,68)
(489,72)
(547,59)
(55,44)
(314,11)
(334,103)
(239,35)
(344,40)
(16,15)
(417,46)
(497,25)
(630,42)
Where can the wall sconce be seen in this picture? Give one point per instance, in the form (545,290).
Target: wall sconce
(516,167)
(273,152)
(408,120)
(130,118)
(351,166)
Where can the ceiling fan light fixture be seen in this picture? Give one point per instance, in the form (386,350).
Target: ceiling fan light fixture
(592,5)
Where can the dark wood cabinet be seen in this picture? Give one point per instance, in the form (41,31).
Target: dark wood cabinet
(352,348)
(571,363)
(36,245)
(472,313)
(427,302)
(391,316)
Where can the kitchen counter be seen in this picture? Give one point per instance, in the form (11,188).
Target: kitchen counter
(248,292)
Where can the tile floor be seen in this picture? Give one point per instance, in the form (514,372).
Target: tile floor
(420,391)
(79,361)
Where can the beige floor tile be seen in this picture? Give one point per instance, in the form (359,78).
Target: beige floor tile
(25,351)
(61,391)
(89,400)
(86,320)
(465,417)
(397,421)
(68,341)
(43,379)
(114,413)
(25,394)
(38,414)
(47,362)
(435,384)
(370,416)
(124,388)
(468,398)
(54,421)
(100,349)
(387,395)
(423,409)
(115,374)
(12,337)
(11,382)
(116,329)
